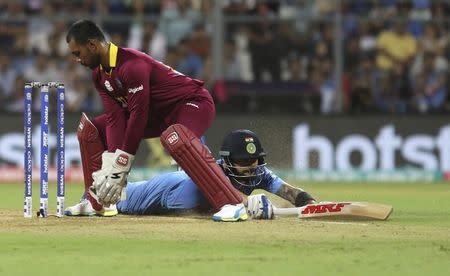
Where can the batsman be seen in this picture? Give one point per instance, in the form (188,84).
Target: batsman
(205,183)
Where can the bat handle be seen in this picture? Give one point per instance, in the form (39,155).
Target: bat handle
(286,211)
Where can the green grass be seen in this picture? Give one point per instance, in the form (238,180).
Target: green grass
(414,241)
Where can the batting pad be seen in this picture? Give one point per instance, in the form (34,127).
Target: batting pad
(91,149)
(196,160)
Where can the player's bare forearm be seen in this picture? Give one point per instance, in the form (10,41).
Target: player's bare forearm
(294,195)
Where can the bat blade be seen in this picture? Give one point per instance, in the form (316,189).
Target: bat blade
(352,210)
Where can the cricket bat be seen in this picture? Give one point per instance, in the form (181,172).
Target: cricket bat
(349,210)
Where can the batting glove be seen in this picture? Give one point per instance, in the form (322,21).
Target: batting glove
(110,192)
(259,207)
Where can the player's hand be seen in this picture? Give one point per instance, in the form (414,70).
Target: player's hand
(110,192)
(259,207)
(101,175)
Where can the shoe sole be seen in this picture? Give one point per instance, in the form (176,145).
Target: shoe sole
(70,214)
(111,213)
(240,218)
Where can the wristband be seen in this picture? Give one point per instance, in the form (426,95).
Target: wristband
(302,199)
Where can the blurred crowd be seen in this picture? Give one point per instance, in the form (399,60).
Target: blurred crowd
(394,53)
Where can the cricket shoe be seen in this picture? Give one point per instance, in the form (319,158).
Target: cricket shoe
(109,211)
(83,208)
(231,213)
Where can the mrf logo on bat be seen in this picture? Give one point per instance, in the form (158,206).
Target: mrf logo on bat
(324,208)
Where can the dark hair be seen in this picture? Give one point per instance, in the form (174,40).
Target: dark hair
(83,30)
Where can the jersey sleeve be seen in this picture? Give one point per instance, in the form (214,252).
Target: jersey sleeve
(115,114)
(271,182)
(136,81)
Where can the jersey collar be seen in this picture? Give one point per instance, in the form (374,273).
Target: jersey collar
(113,49)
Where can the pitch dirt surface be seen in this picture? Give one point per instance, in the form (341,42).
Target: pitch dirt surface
(414,241)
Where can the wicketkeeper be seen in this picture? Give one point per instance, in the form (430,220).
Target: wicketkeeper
(141,97)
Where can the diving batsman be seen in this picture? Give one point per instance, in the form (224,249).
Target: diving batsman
(242,163)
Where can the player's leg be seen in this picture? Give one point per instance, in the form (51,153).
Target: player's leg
(165,193)
(196,115)
(92,147)
(91,150)
(185,196)
(198,163)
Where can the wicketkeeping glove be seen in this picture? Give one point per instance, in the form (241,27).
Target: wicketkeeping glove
(110,192)
(101,175)
(259,207)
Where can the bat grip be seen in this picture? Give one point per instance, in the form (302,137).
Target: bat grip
(286,211)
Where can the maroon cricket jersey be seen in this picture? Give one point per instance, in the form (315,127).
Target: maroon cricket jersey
(138,91)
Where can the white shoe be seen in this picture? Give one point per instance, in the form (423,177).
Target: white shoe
(231,213)
(83,208)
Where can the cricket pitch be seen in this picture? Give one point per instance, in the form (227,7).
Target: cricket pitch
(415,240)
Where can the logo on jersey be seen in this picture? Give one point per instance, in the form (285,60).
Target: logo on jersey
(172,138)
(108,86)
(136,89)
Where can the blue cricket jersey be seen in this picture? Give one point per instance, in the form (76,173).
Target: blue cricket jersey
(176,191)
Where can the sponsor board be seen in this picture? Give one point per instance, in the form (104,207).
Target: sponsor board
(400,175)
(385,151)
(14,174)
(12,148)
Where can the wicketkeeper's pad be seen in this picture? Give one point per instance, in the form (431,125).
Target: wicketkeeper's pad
(91,149)
(196,160)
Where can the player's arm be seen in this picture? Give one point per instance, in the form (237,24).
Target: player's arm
(294,195)
(136,80)
(116,117)
(275,185)
(110,191)
(260,207)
